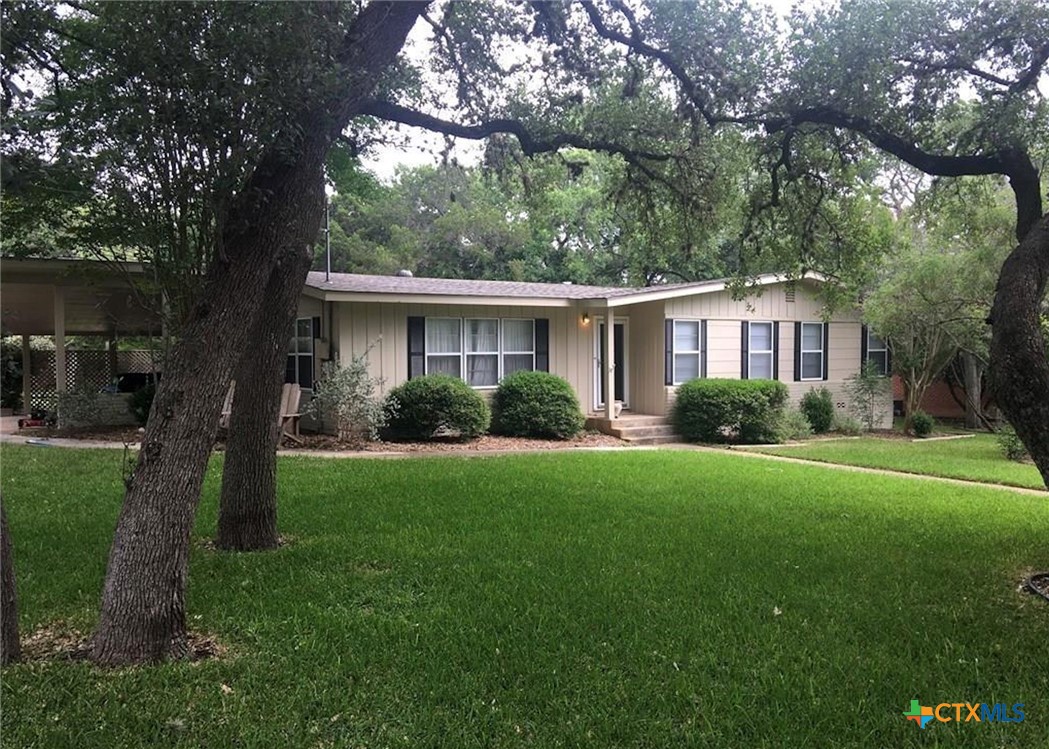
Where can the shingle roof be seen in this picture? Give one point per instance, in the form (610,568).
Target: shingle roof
(362,284)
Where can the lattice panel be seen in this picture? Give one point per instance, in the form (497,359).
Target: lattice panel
(86,369)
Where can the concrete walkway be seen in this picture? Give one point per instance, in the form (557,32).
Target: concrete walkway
(678,446)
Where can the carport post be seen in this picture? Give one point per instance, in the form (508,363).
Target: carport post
(27,375)
(60,339)
(111,355)
(608,366)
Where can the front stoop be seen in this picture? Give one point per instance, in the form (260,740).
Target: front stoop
(637,429)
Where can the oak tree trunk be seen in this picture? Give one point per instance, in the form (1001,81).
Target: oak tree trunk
(143,618)
(1019,371)
(973,378)
(248,502)
(143,602)
(10,647)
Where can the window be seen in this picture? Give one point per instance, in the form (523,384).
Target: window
(444,346)
(518,346)
(878,353)
(687,363)
(812,351)
(479,350)
(759,364)
(299,367)
(482,352)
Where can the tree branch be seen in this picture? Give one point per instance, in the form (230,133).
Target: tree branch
(1015,163)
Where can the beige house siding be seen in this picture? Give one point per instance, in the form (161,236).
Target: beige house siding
(384,327)
(356,326)
(646,357)
(724,316)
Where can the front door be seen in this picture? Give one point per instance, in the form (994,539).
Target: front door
(619,335)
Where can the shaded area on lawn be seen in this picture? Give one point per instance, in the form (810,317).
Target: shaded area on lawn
(976,458)
(587,599)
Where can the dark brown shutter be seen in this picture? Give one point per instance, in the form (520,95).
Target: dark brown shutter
(317,328)
(416,347)
(775,350)
(703,348)
(863,345)
(797,352)
(745,352)
(668,352)
(826,350)
(542,344)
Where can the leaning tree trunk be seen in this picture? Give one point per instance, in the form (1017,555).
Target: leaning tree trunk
(1019,371)
(10,648)
(248,503)
(143,617)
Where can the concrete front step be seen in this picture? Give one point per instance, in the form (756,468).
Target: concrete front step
(595,421)
(637,432)
(662,440)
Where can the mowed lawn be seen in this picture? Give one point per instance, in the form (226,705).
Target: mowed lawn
(586,599)
(975,458)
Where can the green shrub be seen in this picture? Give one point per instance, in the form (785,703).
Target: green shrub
(715,410)
(344,399)
(847,425)
(818,407)
(793,425)
(141,401)
(434,406)
(1010,444)
(536,404)
(922,424)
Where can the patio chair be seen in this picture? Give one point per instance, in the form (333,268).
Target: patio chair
(288,418)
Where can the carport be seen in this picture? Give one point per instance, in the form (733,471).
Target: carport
(72,297)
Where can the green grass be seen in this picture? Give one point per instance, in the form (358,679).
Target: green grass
(975,458)
(588,599)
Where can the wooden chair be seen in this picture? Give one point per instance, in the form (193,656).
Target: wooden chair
(290,395)
(287,417)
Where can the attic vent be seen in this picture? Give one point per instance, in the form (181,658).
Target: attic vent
(403,273)
(789,291)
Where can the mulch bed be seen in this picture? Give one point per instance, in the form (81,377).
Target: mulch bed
(327,443)
(488,442)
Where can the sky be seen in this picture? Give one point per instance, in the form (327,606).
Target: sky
(423,147)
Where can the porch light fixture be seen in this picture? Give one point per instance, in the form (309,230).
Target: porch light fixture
(586,318)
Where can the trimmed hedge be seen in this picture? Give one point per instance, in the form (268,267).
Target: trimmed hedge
(434,406)
(747,411)
(536,404)
(818,407)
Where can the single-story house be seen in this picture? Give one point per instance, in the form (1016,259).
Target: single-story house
(659,336)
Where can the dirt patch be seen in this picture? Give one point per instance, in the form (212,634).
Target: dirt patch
(58,641)
(208,544)
(488,442)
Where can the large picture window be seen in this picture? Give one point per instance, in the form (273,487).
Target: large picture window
(760,347)
(481,351)
(812,351)
(299,367)
(687,350)
(878,353)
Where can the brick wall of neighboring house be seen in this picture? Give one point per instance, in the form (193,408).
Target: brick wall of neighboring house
(937,402)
